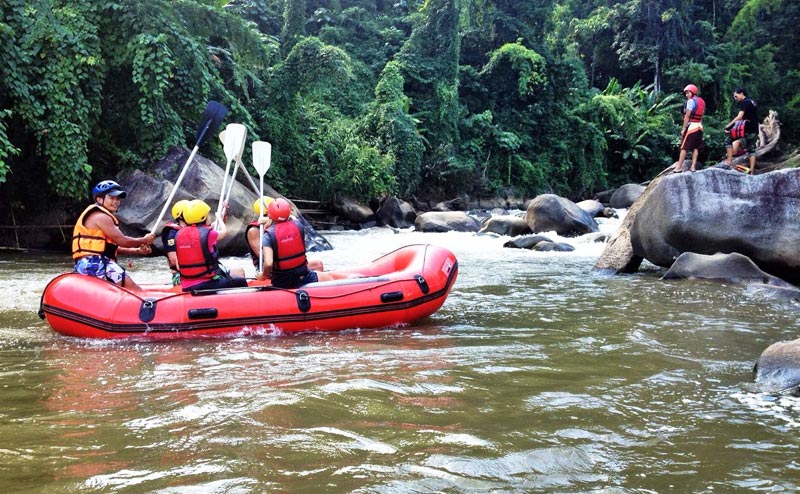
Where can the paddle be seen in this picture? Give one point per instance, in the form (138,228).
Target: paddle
(262,156)
(235,134)
(236,169)
(246,173)
(209,122)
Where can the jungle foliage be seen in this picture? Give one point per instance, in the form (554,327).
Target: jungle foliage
(371,97)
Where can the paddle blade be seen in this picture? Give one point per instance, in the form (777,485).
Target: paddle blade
(210,120)
(234,135)
(262,156)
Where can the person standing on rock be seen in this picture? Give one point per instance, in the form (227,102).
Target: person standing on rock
(97,239)
(747,135)
(692,127)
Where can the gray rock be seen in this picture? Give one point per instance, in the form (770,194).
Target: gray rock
(526,241)
(777,370)
(549,212)
(352,211)
(553,247)
(722,211)
(733,267)
(625,196)
(395,213)
(446,221)
(591,206)
(147,194)
(506,225)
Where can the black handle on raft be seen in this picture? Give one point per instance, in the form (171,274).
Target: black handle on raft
(207,313)
(303,300)
(391,297)
(147,311)
(423,285)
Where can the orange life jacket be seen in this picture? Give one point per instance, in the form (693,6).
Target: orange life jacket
(288,246)
(699,109)
(92,241)
(195,260)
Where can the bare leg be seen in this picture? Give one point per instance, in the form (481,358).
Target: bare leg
(681,159)
(752,159)
(315,265)
(130,284)
(729,159)
(695,153)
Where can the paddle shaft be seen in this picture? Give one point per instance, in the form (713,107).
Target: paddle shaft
(175,187)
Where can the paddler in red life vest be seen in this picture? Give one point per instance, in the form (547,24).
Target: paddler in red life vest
(261,210)
(97,239)
(284,250)
(168,239)
(197,254)
(692,129)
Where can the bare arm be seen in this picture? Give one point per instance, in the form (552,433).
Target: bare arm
(112,232)
(739,116)
(267,273)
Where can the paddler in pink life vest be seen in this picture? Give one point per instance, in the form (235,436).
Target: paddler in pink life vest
(284,250)
(692,128)
(197,254)
(168,235)
(97,239)
(261,210)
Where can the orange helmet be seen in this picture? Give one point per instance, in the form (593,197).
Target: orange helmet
(691,88)
(279,210)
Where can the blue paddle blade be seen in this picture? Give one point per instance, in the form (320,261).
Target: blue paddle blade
(209,122)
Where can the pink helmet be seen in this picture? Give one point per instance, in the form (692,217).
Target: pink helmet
(691,88)
(279,210)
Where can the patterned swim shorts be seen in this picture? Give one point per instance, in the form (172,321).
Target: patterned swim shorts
(101,267)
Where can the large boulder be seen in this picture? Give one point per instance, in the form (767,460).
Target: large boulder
(717,210)
(733,267)
(777,370)
(395,213)
(625,196)
(446,221)
(352,211)
(147,194)
(551,213)
(506,225)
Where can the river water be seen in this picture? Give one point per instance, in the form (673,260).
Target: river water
(535,376)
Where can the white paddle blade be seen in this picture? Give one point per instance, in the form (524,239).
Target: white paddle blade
(262,156)
(234,135)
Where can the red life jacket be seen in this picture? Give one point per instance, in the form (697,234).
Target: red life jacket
(288,246)
(737,132)
(253,255)
(699,109)
(196,261)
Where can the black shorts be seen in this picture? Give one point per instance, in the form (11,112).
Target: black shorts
(692,141)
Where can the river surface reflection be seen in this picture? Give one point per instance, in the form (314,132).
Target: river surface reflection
(535,376)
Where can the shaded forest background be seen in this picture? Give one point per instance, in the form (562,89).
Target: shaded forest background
(365,98)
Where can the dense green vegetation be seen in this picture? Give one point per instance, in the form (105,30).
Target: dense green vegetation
(372,97)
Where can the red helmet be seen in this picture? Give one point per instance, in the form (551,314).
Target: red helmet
(691,88)
(279,210)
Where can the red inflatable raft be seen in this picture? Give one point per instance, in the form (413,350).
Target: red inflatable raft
(398,288)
